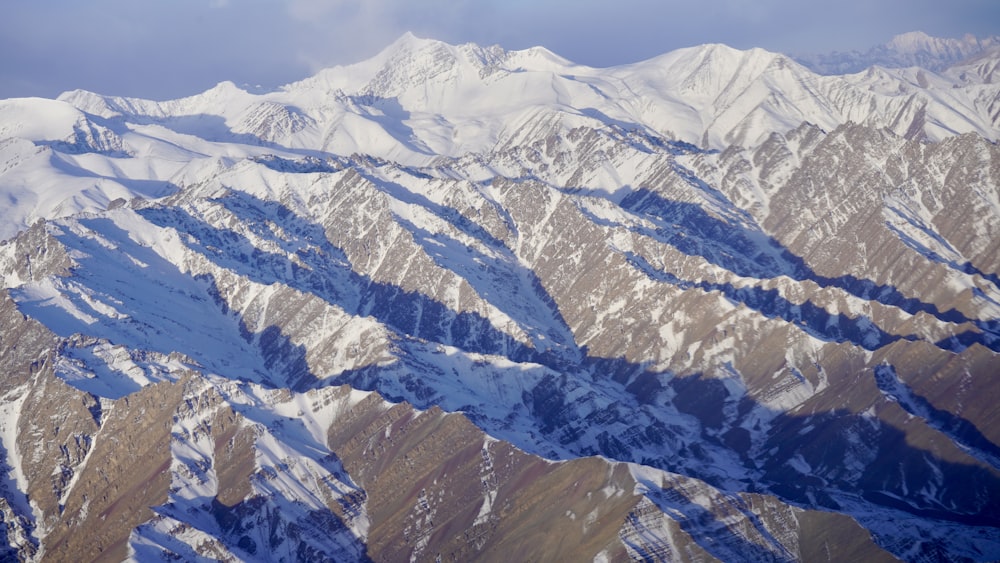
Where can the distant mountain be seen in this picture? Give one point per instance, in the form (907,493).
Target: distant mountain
(461,303)
(913,49)
(422,99)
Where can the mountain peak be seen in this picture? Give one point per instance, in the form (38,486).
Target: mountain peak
(914,42)
(715,54)
(409,42)
(914,48)
(911,41)
(920,49)
(531,59)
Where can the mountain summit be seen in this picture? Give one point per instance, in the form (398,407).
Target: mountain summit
(453,302)
(913,49)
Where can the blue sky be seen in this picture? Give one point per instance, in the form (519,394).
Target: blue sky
(163,49)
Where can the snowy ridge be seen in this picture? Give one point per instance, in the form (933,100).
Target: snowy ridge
(294,478)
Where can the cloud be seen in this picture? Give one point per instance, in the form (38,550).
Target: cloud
(348,30)
(334,31)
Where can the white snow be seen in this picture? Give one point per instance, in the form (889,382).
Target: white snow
(10,411)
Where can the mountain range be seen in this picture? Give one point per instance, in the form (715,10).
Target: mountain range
(462,303)
(913,49)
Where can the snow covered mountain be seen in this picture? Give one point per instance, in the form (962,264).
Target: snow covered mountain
(453,302)
(421,99)
(913,49)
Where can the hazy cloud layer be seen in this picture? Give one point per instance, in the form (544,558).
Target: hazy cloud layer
(161,50)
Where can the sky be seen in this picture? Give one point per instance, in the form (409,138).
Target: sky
(163,49)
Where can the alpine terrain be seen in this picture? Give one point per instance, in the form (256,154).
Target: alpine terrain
(459,303)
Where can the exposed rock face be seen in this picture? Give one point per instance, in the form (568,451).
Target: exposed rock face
(587,341)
